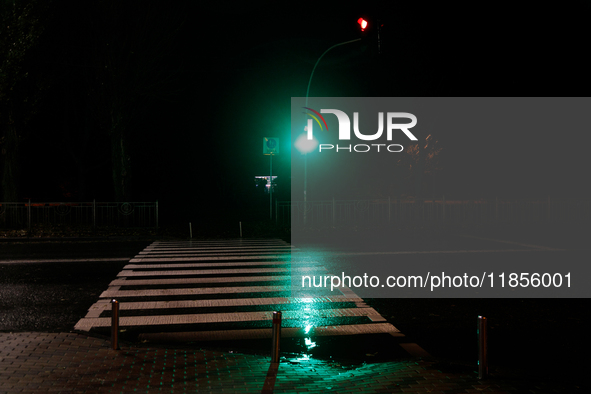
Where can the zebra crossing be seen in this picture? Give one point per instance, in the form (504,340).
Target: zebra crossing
(225,290)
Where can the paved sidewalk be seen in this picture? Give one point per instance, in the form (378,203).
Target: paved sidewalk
(77,363)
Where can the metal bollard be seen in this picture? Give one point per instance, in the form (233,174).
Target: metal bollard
(482,348)
(276,337)
(115,324)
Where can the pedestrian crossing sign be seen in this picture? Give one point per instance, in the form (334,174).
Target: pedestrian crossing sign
(270,146)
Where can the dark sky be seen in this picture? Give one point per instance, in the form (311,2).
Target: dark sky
(240,63)
(493,49)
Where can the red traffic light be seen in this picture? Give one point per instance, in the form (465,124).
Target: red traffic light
(363,23)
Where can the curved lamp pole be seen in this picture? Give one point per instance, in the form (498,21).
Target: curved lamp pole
(318,61)
(313,143)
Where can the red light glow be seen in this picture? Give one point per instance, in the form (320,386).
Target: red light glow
(363,23)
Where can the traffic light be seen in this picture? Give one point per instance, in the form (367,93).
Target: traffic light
(370,30)
(362,23)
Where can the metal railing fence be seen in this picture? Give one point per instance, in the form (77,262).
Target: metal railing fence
(398,211)
(126,214)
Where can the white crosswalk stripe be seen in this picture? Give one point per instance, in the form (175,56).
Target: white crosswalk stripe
(178,251)
(232,317)
(228,256)
(129,273)
(231,264)
(146,282)
(215,286)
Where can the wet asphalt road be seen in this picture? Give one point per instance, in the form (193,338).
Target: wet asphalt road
(42,288)
(542,337)
(49,286)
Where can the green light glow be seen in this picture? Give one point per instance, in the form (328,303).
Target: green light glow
(308,312)
(303,358)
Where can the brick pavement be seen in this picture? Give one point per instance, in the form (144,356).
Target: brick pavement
(78,363)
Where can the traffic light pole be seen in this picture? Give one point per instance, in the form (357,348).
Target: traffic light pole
(307,94)
(318,61)
(271,186)
(305,188)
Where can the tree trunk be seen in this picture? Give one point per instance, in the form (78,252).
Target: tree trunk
(121,167)
(11,167)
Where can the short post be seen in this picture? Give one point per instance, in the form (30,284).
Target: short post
(240,225)
(115,324)
(482,348)
(190,231)
(276,337)
(93,214)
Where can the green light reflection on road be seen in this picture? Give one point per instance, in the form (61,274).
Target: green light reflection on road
(308,324)
(309,343)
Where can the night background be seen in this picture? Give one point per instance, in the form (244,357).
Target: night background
(141,101)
